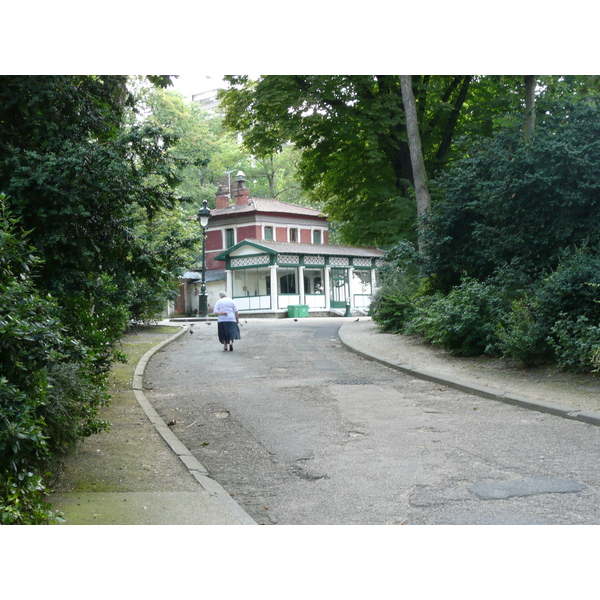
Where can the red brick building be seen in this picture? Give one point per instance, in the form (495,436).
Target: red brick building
(251,243)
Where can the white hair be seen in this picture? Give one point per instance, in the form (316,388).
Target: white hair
(222,295)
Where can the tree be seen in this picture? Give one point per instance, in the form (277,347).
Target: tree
(355,159)
(416,152)
(206,150)
(276,176)
(94,191)
(509,202)
(49,388)
(529,107)
(84,183)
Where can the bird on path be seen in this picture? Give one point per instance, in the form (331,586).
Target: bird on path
(171,423)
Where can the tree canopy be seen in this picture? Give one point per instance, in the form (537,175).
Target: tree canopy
(86,185)
(507,201)
(89,236)
(351,132)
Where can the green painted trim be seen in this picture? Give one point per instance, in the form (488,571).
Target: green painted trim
(264,250)
(264,266)
(338,266)
(312,265)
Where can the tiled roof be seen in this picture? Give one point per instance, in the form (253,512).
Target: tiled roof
(325,249)
(267,206)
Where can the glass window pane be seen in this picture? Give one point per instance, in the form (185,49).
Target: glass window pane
(239,281)
(361,281)
(230,238)
(286,281)
(313,281)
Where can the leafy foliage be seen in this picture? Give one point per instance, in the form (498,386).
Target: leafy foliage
(393,303)
(512,247)
(350,130)
(507,199)
(463,320)
(521,335)
(576,344)
(23,500)
(49,392)
(92,191)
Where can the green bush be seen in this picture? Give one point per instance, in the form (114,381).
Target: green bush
(520,334)
(392,304)
(23,500)
(464,320)
(50,389)
(571,290)
(507,199)
(576,344)
(391,309)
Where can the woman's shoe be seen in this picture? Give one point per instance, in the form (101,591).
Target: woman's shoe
(230,347)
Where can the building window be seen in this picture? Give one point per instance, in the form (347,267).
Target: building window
(251,282)
(361,281)
(317,236)
(229,238)
(268,233)
(313,281)
(293,235)
(287,281)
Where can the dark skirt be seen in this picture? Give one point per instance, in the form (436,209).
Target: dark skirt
(228,331)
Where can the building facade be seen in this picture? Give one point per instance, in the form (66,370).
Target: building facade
(269,255)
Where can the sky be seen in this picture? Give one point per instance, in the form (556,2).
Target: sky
(432,37)
(189,85)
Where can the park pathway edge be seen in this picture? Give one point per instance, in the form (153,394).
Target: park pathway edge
(196,469)
(565,412)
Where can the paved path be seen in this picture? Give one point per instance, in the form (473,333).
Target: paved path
(300,431)
(209,503)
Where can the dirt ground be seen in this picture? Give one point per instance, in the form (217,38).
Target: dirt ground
(132,456)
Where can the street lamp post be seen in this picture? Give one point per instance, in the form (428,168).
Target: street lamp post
(203,218)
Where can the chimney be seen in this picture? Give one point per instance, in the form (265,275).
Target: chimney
(240,191)
(222,198)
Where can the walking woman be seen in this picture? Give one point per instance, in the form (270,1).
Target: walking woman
(229,319)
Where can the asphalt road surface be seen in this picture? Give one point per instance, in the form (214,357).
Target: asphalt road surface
(300,430)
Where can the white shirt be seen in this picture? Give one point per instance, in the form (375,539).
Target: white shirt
(226,305)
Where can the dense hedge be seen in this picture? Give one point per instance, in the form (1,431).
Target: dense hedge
(49,393)
(512,254)
(555,318)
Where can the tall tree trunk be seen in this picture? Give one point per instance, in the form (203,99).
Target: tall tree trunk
(529,124)
(268,165)
(416,152)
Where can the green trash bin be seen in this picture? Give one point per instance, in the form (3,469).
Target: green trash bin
(297,311)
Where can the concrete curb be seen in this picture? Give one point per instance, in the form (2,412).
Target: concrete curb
(197,470)
(558,410)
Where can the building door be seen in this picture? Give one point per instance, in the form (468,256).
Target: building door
(180,300)
(339,288)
